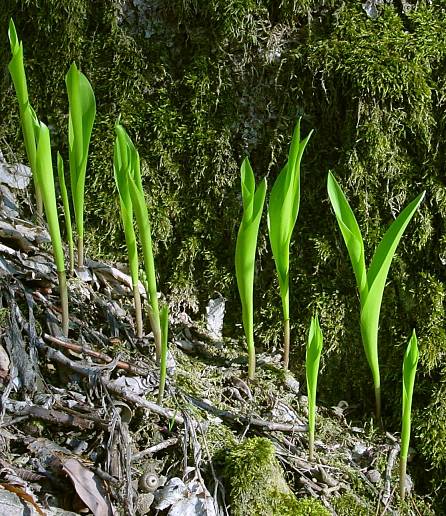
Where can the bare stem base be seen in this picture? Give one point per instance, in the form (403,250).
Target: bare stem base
(286,344)
(378,405)
(63,293)
(403,465)
(80,253)
(311,447)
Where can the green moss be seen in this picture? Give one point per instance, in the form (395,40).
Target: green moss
(257,485)
(349,505)
(4,318)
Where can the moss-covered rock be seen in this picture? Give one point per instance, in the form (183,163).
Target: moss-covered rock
(200,84)
(257,486)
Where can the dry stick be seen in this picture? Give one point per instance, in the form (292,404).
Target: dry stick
(241,419)
(95,354)
(386,497)
(111,386)
(154,449)
(54,416)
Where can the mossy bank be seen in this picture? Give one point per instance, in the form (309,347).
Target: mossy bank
(199,85)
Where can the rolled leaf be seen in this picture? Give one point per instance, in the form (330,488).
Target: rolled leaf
(82,113)
(313,355)
(27,117)
(124,161)
(46,180)
(66,207)
(245,251)
(409,371)
(283,210)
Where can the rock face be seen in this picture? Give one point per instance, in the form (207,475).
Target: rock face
(200,86)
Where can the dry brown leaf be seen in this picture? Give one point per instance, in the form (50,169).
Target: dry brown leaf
(89,488)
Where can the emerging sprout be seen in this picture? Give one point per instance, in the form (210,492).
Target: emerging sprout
(17,71)
(409,371)
(82,107)
(245,252)
(125,159)
(164,320)
(134,183)
(313,355)
(44,169)
(66,209)
(370,283)
(282,215)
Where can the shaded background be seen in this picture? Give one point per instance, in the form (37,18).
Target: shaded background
(199,85)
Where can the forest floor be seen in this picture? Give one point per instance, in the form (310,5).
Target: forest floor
(81,430)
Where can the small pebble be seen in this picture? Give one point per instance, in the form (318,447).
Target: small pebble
(374,476)
(144,503)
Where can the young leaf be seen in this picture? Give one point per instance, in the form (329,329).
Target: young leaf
(82,106)
(350,231)
(282,215)
(409,371)
(17,71)
(123,162)
(66,208)
(313,355)
(245,251)
(44,169)
(370,284)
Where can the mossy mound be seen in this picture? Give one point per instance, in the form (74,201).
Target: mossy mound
(258,486)
(200,84)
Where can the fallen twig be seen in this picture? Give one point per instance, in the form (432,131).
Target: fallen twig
(95,354)
(245,420)
(89,371)
(53,416)
(154,449)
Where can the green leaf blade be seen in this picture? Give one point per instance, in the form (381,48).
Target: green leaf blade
(350,231)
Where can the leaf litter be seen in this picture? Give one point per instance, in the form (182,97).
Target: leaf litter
(80,429)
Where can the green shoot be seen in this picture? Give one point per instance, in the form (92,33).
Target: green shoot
(17,71)
(245,253)
(44,169)
(125,159)
(313,355)
(164,320)
(82,107)
(370,283)
(142,220)
(66,209)
(409,371)
(282,215)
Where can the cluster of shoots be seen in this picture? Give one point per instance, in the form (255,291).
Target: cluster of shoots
(128,179)
(283,210)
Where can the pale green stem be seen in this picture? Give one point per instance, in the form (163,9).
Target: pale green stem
(286,344)
(138,312)
(80,252)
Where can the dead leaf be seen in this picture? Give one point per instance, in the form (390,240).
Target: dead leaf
(89,488)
